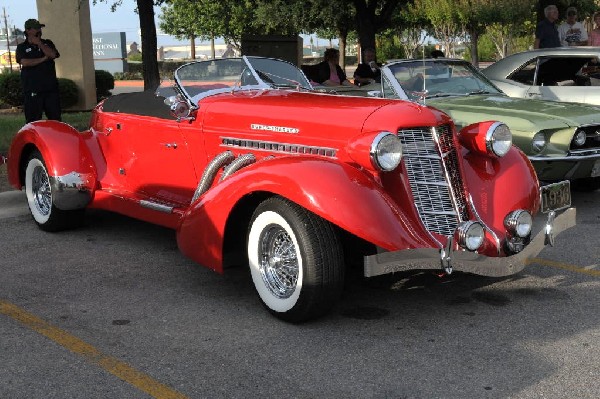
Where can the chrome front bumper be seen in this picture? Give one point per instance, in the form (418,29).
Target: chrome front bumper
(470,262)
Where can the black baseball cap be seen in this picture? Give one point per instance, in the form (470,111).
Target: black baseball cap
(33,24)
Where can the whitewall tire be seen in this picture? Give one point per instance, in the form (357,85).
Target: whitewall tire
(40,199)
(295,260)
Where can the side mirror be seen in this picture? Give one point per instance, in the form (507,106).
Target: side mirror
(181,109)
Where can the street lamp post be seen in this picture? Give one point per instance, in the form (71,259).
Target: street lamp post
(7,39)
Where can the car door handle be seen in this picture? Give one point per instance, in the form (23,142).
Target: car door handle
(533,94)
(171,145)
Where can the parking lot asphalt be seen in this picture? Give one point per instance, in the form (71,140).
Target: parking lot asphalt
(13,204)
(114,310)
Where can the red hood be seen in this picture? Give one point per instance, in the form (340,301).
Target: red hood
(317,119)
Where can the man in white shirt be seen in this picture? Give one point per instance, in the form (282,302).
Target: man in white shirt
(572,32)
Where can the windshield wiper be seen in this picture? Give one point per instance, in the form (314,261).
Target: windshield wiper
(445,95)
(263,76)
(480,92)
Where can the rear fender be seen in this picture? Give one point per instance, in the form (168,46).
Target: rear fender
(339,193)
(67,157)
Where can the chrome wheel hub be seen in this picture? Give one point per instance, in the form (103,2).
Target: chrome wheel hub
(278,261)
(40,188)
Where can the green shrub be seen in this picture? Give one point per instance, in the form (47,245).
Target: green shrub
(135,57)
(69,95)
(105,82)
(128,76)
(136,70)
(11,91)
(135,67)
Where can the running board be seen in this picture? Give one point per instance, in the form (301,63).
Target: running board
(156,206)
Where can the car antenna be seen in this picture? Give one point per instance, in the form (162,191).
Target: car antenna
(424,73)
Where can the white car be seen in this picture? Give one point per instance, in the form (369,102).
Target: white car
(557,74)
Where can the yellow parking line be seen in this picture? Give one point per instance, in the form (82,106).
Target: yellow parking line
(112,365)
(564,266)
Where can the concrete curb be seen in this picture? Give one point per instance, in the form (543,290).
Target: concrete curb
(12,204)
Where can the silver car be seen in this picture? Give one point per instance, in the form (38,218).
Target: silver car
(558,74)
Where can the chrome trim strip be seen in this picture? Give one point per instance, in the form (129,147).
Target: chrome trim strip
(568,157)
(488,138)
(432,183)
(439,213)
(447,175)
(589,125)
(496,239)
(373,150)
(156,206)
(429,156)
(273,146)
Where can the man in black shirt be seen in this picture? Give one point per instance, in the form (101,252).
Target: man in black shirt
(546,33)
(367,71)
(38,74)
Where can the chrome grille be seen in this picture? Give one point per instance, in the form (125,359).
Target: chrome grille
(434,175)
(592,139)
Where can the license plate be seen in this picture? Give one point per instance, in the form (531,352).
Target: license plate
(556,196)
(596,169)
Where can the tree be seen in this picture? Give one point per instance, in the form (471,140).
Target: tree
(367,17)
(510,19)
(372,17)
(408,26)
(474,17)
(145,10)
(207,19)
(444,20)
(187,19)
(332,19)
(329,18)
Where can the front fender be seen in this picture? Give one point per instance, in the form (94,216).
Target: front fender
(68,161)
(337,192)
(498,186)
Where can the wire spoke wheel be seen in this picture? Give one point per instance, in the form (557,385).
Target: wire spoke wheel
(42,196)
(279,261)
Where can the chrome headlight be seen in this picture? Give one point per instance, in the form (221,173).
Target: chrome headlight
(579,138)
(470,235)
(519,223)
(498,139)
(539,142)
(386,151)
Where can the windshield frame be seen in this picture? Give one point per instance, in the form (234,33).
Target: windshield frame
(401,93)
(246,62)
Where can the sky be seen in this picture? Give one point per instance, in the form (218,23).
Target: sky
(124,19)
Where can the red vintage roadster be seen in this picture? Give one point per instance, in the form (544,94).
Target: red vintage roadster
(240,156)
